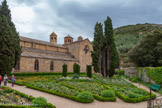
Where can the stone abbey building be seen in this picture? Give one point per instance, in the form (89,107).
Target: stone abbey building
(42,56)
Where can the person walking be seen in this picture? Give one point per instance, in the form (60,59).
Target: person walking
(5,79)
(12,80)
(0,79)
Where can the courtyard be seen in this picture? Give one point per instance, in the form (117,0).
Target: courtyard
(63,92)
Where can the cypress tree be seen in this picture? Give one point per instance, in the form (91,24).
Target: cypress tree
(7,49)
(64,70)
(96,53)
(5,11)
(111,55)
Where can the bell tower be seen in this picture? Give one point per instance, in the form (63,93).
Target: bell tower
(53,38)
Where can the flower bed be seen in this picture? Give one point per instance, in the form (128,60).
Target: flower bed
(14,99)
(118,81)
(89,86)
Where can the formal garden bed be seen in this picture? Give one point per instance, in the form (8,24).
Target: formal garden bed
(76,88)
(116,80)
(56,88)
(132,94)
(10,98)
(95,88)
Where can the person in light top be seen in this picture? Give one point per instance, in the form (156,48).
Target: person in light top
(5,79)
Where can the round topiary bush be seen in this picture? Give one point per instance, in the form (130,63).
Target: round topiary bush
(75,76)
(132,95)
(40,101)
(86,95)
(108,93)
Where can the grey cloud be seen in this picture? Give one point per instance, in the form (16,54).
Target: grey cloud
(79,17)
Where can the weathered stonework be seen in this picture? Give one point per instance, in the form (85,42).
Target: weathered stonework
(45,52)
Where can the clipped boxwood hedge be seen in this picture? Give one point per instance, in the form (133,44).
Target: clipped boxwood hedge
(127,99)
(42,73)
(134,100)
(59,94)
(113,99)
(49,105)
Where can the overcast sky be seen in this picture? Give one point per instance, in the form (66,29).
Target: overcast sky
(39,18)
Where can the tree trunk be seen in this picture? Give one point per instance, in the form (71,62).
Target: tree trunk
(108,60)
(100,62)
(104,61)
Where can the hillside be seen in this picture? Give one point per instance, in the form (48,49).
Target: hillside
(126,37)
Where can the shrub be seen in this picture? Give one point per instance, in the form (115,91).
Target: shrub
(89,71)
(86,95)
(107,93)
(134,79)
(75,76)
(155,74)
(40,101)
(121,72)
(64,70)
(132,95)
(76,68)
(6,90)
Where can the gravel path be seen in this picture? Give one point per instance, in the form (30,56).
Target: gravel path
(61,102)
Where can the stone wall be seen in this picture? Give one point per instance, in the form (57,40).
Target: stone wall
(85,58)
(27,65)
(77,49)
(139,72)
(132,71)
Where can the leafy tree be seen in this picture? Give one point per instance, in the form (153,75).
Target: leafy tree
(9,40)
(7,49)
(104,57)
(96,53)
(5,11)
(149,51)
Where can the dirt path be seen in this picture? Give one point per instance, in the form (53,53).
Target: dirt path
(61,102)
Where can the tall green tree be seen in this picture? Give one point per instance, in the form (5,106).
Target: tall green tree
(105,57)
(112,58)
(96,53)
(5,11)
(148,52)
(7,49)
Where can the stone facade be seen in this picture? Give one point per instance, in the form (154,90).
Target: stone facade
(51,56)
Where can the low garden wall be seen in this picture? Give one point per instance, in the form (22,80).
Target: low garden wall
(144,73)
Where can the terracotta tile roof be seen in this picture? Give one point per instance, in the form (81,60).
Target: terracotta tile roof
(47,57)
(39,42)
(79,41)
(53,34)
(47,54)
(68,36)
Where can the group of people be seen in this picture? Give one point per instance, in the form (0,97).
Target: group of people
(5,80)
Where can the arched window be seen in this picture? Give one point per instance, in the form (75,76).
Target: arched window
(17,67)
(36,65)
(51,66)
